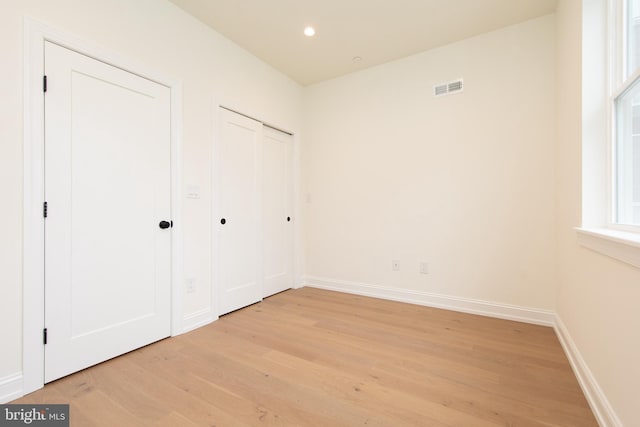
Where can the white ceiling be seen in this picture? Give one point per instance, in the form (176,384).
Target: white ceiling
(378,31)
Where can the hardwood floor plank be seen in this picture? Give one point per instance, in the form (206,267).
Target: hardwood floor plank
(310,357)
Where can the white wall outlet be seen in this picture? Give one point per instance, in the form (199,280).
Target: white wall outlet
(395,265)
(424,268)
(191,285)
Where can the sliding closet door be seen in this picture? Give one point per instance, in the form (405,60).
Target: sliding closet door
(237,246)
(277,210)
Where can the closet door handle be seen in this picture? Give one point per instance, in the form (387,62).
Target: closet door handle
(223,221)
(288,218)
(164,224)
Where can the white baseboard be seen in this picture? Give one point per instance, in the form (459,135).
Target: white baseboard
(198,319)
(604,413)
(466,305)
(11,388)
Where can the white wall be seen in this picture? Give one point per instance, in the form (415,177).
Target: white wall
(464,182)
(597,296)
(163,38)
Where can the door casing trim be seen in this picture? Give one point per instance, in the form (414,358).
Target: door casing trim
(35,35)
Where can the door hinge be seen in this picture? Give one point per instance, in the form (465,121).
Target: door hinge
(45,209)
(44,83)
(44,335)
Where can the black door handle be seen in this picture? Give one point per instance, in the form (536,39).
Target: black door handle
(288,218)
(164,224)
(223,221)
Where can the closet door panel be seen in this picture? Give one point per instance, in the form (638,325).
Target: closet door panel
(239,278)
(277,211)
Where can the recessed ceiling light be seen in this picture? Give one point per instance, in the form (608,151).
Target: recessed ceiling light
(309,31)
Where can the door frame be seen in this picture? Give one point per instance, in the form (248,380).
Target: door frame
(33,306)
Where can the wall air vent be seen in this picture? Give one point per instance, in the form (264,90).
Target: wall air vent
(448,88)
(441,90)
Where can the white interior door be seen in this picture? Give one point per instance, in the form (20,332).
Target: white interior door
(238,258)
(107,185)
(277,210)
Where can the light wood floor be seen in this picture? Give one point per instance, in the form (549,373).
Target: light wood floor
(309,357)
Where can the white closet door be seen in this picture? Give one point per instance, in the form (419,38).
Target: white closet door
(107,184)
(277,208)
(238,220)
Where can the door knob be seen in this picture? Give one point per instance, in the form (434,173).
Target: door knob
(288,218)
(164,224)
(223,221)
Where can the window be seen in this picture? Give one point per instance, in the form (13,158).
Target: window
(632,35)
(626,111)
(611,129)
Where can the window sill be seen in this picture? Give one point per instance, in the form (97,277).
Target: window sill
(621,245)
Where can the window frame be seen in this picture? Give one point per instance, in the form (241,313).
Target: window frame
(619,82)
(603,28)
